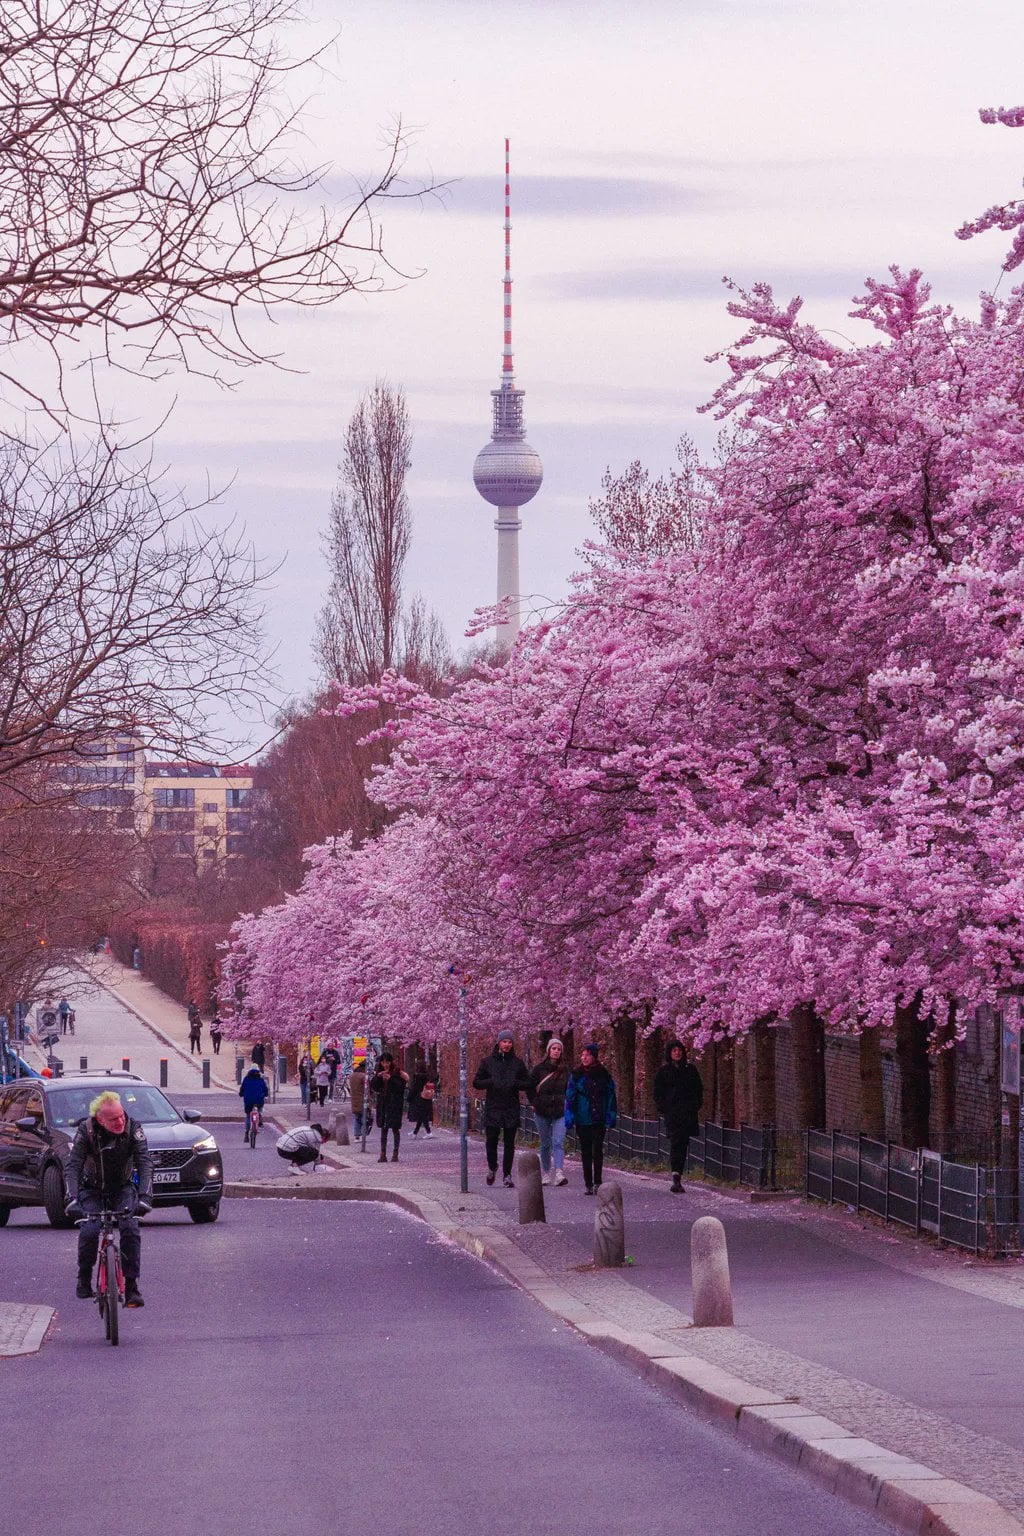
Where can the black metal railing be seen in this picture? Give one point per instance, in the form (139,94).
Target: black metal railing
(965,1204)
(742,1154)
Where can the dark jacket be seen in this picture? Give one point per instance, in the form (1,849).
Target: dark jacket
(590,1097)
(548,1083)
(253,1090)
(678,1095)
(390,1093)
(357,1089)
(259,1055)
(501,1079)
(103,1163)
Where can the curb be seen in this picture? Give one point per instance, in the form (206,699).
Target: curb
(33,1329)
(902,1492)
(154,1029)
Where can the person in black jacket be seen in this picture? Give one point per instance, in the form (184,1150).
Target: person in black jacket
(501,1077)
(108,1150)
(548,1082)
(389,1084)
(678,1095)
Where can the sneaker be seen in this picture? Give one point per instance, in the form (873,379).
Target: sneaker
(589,1189)
(428,1130)
(132,1295)
(492,1174)
(546,1178)
(294,1171)
(559,1177)
(83,1290)
(508,1181)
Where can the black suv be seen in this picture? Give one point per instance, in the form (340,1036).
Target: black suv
(38,1119)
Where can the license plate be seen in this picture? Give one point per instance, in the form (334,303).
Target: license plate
(167,1177)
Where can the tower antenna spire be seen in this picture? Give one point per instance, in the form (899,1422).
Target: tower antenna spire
(507,471)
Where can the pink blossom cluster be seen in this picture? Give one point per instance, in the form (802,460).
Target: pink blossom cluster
(782,766)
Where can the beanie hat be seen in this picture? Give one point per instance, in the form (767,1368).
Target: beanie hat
(505,1034)
(593,1047)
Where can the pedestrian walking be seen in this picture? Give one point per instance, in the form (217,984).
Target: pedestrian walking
(305,1076)
(678,1095)
(332,1056)
(216,1033)
(549,1082)
(195,1029)
(64,1014)
(591,1107)
(422,1092)
(389,1084)
(259,1055)
(501,1077)
(357,1095)
(322,1080)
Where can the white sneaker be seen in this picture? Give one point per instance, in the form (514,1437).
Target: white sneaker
(559,1177)
(545,1178)
(293,1170)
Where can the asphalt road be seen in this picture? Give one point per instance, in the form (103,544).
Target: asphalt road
(312,1368)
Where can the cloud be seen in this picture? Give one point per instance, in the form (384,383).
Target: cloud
(661,282)
(587,197)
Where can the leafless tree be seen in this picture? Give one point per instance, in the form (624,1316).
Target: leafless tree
(643,518)
(426,655)
(150,184)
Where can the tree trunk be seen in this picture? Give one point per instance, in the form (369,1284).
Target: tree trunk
(915,1076)
(726,1075)
(624,1036)
(808,1036)
(945,1088)
(872,1097)
(762,1077)
(653,1049)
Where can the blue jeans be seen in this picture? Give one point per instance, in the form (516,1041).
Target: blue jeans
(552,1141)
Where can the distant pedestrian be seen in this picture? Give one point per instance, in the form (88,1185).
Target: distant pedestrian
(71,1021)
(678,1095)
(548,1083)
(64,1014)
(591,1107)
(253,1093)
(422,1092)
(501,1077)
(357,1095)
(389,1084)
(259,1055)
(322,1080)
(195,1029)
(216,1033)
(332,1056)
(305,1076)
(301,1147)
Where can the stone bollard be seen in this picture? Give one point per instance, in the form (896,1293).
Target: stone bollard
(163,1071)
(239,1065)
(609,1228)
(206,1071)
(83,1063)
(126,1064)
(709,1261)
(337,1128)
(531,1193)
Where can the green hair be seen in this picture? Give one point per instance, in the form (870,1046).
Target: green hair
(106,1097)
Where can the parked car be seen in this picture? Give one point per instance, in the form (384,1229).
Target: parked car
(38,1119)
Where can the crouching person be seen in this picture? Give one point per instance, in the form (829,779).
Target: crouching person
(109,1150)
(301,1147)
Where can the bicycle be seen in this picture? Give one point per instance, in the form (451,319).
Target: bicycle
(253,1126)
(109,1272)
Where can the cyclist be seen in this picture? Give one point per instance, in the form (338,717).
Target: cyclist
(109,1150)
(253,1094)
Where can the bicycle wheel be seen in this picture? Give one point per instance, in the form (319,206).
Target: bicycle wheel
(113,1313)
(253,1128)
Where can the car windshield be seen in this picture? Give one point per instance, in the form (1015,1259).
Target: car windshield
(140,1100)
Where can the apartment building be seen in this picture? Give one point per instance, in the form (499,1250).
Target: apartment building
(201,811)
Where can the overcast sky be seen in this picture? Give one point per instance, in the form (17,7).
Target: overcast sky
(655,148)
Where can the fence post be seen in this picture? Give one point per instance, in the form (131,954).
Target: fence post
(860,1140)
(888,1166)
(919,1170)
(940,1200)
(977,1208)
(832,1171)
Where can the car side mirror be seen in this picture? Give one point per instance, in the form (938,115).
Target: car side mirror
(191,1115)
(28,1123)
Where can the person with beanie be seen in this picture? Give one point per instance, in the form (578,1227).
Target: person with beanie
(548,1083)
(501,1078)
(590,1106)
(678,1095)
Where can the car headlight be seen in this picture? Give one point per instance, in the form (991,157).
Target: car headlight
(208,1144)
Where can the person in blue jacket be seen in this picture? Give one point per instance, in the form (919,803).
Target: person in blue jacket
(253,1092)
(591,1107)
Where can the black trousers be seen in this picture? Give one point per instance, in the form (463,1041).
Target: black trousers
(591,1140)
(507,1135)
(678,1146)
(91,1202)
(396,1133)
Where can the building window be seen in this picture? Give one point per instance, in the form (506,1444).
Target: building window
(105,799)
(209,853)
(237,798)
(166,798)
(239,821)
(210,807)
(173,821)
(239,843)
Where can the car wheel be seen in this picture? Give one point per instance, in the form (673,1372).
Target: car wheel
(55,1196)
(5,1215)
(201,1214)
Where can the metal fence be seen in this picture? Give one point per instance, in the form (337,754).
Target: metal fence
(735,1155)
(965,1204)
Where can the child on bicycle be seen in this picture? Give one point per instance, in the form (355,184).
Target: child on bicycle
(253,1092)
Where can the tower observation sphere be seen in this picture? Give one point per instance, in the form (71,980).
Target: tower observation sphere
(507,471)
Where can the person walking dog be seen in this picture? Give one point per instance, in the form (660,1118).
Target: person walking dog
(590,1106)
(501,1077)
(678,1095)
(548,1083)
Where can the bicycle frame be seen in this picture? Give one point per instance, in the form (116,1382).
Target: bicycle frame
(109,1271)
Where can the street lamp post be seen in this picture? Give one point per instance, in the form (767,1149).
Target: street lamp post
(463,1096)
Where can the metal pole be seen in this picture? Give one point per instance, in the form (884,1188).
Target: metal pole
(309,1078)
(274,1074)
(463,1097)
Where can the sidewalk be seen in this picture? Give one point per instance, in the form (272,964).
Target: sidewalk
(852,1345)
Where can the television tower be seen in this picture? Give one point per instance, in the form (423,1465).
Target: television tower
(507,471)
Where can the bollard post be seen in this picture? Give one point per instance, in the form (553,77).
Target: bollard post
(709,1261)
(239,1064)
(126,1063)
(206,1071)
(163,1071)
(531,1192)
(83,1063)
(609,1228)
(337,1127)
